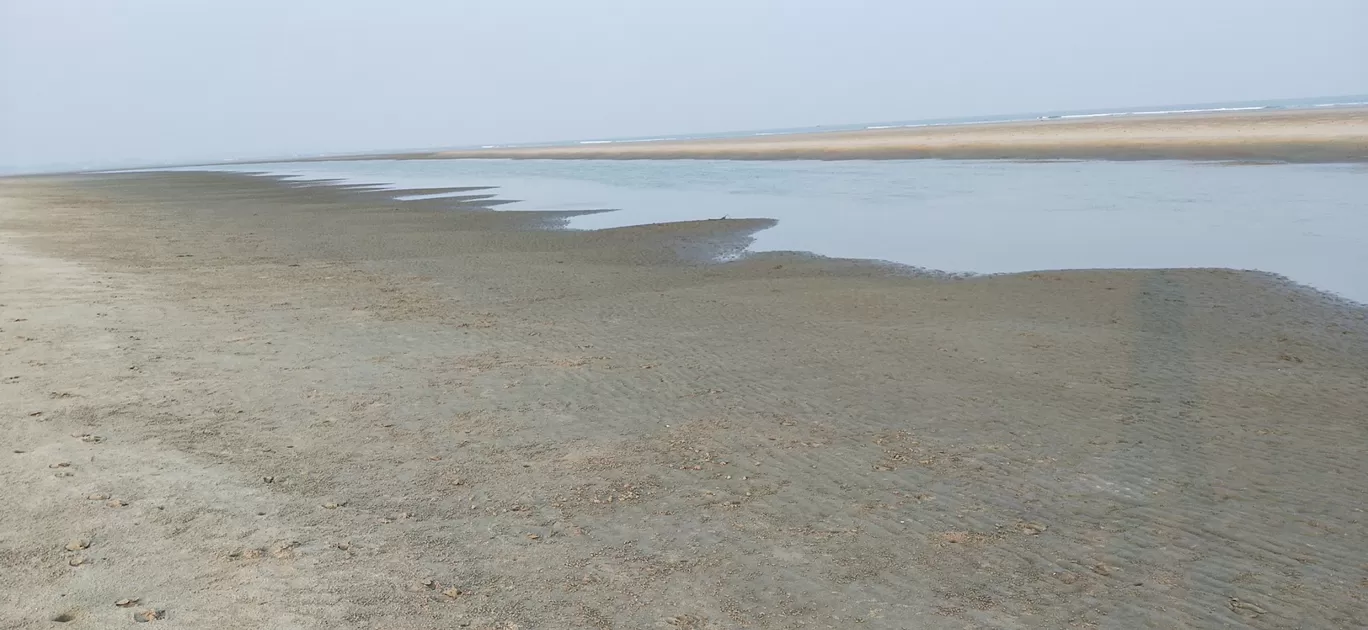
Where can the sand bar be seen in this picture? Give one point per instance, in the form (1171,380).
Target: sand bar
(1325,135)
(258,405)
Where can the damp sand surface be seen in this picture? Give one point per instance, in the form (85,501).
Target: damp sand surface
(247,403)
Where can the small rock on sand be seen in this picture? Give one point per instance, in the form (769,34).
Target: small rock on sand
(1032,529)
(1245,608)
(78,544)
(126,602)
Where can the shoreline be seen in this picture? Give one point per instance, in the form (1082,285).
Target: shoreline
(1331,135)
(794,194)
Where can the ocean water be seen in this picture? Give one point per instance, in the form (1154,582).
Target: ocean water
(1308,222)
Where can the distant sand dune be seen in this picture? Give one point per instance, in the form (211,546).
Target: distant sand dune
(1338,135)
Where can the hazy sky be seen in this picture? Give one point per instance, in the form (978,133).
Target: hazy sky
(135,81)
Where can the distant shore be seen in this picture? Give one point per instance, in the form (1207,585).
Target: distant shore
(1328,135)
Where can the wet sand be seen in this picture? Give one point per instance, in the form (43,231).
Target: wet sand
(1328,135)
(278,406)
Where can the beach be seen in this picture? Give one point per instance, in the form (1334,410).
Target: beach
(1304,135)
(251,403)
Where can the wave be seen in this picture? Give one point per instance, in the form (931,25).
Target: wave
(1158,112)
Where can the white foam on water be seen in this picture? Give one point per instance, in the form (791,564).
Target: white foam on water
(1307,222)
(441,195)
(1156,112)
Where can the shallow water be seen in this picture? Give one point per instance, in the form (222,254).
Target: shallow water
(1307,222)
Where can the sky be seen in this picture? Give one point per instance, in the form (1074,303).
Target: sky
(88,83)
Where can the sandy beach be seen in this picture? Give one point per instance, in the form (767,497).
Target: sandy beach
(1322,135)
(239,403)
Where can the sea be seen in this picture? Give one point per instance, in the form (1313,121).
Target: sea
(1307,222)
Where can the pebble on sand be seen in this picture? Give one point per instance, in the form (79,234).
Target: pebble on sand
(1245,608)
(78,544)
(1033,529)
